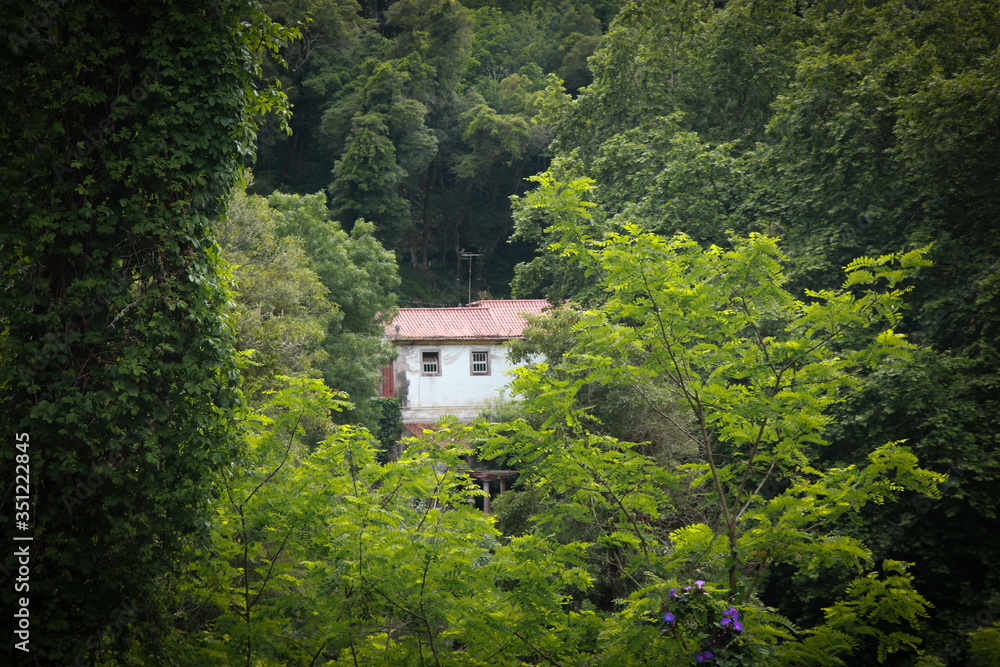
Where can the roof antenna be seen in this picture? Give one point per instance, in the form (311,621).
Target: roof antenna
(469,256)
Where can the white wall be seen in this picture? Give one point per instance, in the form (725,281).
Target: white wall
(456,391)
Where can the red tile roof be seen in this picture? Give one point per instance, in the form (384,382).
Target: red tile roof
(495,319)
(416,429)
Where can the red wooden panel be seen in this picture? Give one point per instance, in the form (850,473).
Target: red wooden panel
(388,388)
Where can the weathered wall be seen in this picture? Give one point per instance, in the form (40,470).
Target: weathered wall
(456,391)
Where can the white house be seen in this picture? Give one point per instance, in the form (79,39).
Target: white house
(451,360)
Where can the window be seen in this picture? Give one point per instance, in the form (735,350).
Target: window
(431,363)
(480,363)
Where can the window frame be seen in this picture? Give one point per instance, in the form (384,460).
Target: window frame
(473,362)
(437,361)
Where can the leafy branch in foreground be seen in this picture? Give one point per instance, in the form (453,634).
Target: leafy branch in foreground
(756,370)
(324,556)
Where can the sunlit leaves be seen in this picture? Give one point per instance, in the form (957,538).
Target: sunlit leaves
(323,552)
(757,371)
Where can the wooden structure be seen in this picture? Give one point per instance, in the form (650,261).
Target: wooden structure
(487,476)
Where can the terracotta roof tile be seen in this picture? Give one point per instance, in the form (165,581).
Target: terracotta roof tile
(494,319)
(416,429)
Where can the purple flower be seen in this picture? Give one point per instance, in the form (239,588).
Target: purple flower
(726,622)
(737,626)
(669,618)
(672,593)
(702,657)
(699,583)
(732,613)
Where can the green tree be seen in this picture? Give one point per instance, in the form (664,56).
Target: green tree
(581,33)
(325,555)
(642,71)
(440,127)
(245,596)
(504,42)
(883,139)
(280,309)
(387,132)
(440,31)
(848,129)
(367,180)
(361,277)
(125,126)
(757,372)
(314,71)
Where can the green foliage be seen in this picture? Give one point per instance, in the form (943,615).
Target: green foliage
(677,432)
(985,643)
(873,603)
(313,71)
(757,372)
(439,121)
(310,300)
(618,409)
(492,137)
(124,127)
(441,32)
(562,196)
(326,555)
(384,131)
(850,129)
(389,427)
(641,72)
(250,568)
(505,42)
(368,178)
(361,277)
(360,274)
(857,169)
(280,310)
(718,625)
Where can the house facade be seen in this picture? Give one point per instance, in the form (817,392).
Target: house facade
(451,360)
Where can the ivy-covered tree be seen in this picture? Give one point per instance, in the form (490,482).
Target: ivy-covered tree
(124,126)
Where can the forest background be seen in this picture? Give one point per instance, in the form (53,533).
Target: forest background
(736,453)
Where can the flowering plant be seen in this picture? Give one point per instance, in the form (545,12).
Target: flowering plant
(692,613)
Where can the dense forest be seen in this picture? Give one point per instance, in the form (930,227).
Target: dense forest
(767,427)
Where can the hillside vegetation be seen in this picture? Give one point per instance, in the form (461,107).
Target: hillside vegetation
(766,428)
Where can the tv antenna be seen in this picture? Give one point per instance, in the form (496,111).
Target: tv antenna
(469,256)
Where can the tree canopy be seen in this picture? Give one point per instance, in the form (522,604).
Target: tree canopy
(758,426)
